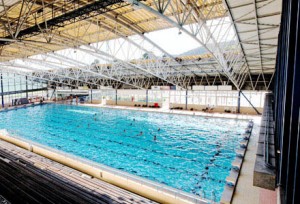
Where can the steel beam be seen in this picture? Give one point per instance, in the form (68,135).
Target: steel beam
(85,12)
(2,96)
(240,42)
(218,55)
(259,45)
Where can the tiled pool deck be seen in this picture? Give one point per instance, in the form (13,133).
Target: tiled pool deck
(245,192)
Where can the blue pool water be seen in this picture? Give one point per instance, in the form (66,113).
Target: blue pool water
(190,153)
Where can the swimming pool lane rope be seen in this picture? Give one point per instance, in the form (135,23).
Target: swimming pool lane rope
(139,148)
(140,138)
(126,155)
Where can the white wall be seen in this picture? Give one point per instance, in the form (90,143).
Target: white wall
(211,98)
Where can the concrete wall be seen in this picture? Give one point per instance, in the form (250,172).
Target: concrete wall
(129,103)
(250,110)
(96,101)
(217,109)
(110,102)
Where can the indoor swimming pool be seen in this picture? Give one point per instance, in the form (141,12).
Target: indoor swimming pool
(190,153)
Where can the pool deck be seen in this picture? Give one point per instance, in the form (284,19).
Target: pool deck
(245,192)
(180,112)
(29,178)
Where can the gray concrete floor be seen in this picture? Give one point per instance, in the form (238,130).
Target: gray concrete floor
(245,192)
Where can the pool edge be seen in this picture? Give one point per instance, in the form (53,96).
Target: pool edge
(117,180)
(181,112)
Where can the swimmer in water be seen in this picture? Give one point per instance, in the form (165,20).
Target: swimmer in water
(141,133)
(154,137)
(124,130)
(158,129)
